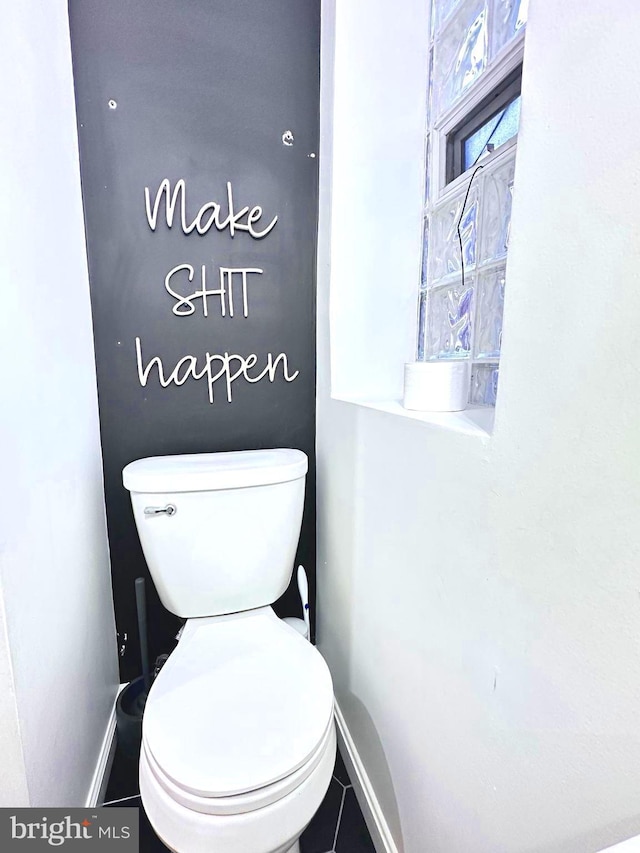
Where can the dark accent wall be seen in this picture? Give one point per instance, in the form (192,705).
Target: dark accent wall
(201,90)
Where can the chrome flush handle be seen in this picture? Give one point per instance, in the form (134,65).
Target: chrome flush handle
(169,509)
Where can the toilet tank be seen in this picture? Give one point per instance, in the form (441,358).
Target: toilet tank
(219,531)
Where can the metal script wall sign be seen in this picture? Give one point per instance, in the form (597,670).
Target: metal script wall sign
(221,292)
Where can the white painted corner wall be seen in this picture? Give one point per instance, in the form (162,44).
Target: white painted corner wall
(377,182)
(58,660)
(479,600)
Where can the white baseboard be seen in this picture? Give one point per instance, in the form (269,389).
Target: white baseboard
(105,760)
(371,811)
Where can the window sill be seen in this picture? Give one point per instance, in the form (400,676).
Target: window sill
(475,420)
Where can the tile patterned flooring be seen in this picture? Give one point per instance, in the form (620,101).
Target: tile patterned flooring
(338,826)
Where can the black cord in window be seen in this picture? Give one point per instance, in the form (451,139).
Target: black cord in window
(464,203)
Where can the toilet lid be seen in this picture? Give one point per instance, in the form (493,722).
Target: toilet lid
(241,703)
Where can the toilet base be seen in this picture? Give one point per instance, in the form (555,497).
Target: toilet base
(273,829)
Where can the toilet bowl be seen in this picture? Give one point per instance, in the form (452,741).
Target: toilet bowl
(273,829)
(238,739)
(238,736)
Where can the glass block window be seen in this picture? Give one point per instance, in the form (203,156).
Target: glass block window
(467,216)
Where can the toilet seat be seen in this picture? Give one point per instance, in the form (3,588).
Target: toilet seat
(240,714)
(239,803)
(272,829)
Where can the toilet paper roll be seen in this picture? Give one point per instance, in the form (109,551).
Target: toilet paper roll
(436,386)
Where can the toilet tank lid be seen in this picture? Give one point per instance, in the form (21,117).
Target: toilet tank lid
(199,472)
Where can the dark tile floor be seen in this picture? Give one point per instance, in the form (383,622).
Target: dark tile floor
(338,826)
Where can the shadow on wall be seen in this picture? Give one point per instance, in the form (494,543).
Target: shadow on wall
(374,759)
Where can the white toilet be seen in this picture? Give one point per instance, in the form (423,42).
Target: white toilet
(238,738)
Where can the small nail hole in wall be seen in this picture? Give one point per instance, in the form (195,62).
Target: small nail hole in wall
(112,104)
(287,138)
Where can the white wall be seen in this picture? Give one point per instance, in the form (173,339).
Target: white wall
(379,155)
(479,599)
(60,662)
(13,790)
